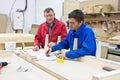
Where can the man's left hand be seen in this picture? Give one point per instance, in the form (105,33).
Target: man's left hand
(62,56)
(51,44)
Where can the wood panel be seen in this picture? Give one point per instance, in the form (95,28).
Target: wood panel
(3,23)
(27,39)
(82,69)
(10,72)
(18,38)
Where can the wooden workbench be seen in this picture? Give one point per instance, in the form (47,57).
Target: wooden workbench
(86,68)
(10,71)
(75,70)
(19,38)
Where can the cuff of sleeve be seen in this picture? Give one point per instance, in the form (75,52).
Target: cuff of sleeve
(67,54)
(52,49)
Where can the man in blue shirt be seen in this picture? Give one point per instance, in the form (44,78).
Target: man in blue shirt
(86,44)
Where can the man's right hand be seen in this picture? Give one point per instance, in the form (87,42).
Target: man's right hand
(47,51)
(36,48)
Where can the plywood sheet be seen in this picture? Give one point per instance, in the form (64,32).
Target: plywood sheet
(33,73)
(114,3)
(69,5)
(72,70)
(114,57)
(34,28)
(18,38)
(3,23)
(82,69)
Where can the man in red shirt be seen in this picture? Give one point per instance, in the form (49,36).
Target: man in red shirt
(53,27)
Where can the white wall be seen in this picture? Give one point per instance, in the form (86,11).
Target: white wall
(30,15)
(5,7)
(42,4)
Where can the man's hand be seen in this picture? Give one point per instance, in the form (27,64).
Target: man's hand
(36,48)
(47,51)
(62,56)
(51,44)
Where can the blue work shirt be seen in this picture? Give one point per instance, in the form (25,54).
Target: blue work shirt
(86,43)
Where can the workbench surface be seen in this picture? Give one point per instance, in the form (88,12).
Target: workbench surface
(82,69)
(10,71)
(86,68)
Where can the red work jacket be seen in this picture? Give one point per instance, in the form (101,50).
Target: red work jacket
(58,29)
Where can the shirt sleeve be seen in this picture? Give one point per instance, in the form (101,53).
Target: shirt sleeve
(37,37)
(61,45)
(88,47)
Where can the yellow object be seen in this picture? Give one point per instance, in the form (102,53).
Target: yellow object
(60,60)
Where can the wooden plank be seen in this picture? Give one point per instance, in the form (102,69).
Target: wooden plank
(96,2)
(27,39)
(113,42)
(82,69)
(5,54)
(72,70)
(10,72)
(3,23)
(113,75)
(99,62)
(114,57)
(18,38)
(59,77)
(26,44)
(67,8)
(34,28)
(66,70)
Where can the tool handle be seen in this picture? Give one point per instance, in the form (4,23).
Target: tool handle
(2,64)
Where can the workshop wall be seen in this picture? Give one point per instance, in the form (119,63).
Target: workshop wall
(5,8)
(42,4)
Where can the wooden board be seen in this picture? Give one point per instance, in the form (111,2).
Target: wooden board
(113,75)
(34,28)
(113,42)
(75,70)
(27,39)
(114,57)
(67,8)
(18,38)
(9,72)
(72,70)
(3,23)
(96,2)
(83,69)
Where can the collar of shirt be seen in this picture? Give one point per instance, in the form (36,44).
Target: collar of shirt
(79,31)
(50,26)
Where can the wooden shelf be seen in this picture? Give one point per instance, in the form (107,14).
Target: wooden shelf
(112,12)
(113,15)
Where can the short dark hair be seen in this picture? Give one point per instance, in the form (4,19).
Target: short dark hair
(48,10)
(76,14)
